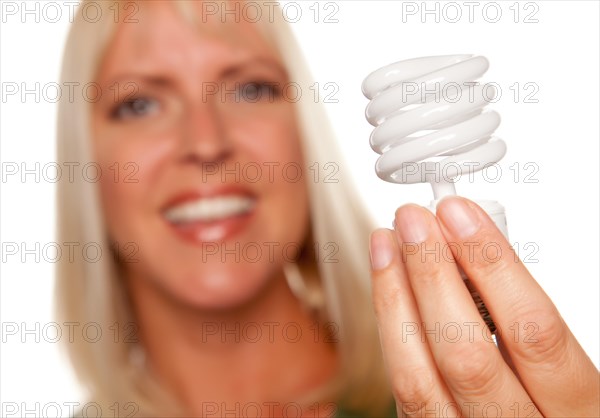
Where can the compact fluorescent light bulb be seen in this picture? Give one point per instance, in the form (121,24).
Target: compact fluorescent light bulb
(430,127)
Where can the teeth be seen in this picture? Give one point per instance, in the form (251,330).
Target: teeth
(210,209)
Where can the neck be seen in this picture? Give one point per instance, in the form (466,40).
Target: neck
(269,351)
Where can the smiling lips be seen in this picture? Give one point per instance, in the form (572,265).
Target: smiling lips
(207,217)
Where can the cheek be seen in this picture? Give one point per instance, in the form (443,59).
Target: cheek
(130,166)
(274,146)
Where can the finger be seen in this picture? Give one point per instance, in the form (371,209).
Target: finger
(470,363)
(418,388)
(506,354)
(553,367)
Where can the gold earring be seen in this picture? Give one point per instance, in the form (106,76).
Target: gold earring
(311,297)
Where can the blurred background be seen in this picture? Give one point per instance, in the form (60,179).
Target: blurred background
(543,56)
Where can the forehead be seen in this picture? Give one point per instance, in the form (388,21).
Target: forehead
(174,32)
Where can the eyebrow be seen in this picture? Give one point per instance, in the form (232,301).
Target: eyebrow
(267,61)
(164,80)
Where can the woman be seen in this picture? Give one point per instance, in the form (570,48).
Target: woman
(240,287)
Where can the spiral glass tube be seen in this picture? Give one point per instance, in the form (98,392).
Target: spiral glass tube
(429,120)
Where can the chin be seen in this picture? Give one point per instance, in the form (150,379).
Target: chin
(224,288)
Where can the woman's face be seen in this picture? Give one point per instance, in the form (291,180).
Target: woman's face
(199,154)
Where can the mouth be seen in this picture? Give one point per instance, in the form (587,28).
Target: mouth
(198,219)
(209,209)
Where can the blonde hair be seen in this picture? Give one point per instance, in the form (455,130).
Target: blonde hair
(92,292)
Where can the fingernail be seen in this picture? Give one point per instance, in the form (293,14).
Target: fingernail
(381,248)
(458,217)
(412,224)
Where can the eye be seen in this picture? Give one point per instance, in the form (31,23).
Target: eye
(135,108)
(260,91)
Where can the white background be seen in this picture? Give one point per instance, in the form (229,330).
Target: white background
(559,134)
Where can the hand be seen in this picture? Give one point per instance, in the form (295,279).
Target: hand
(438,351)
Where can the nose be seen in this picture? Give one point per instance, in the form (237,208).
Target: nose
(204,136)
